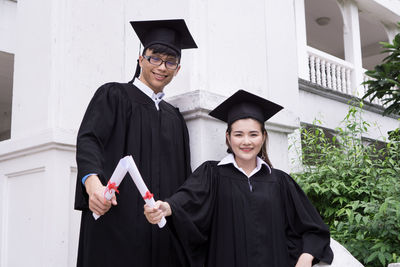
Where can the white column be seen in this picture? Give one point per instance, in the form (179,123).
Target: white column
(281,75)
(301,36)
(352,43)
(32,69)
(391,30)
(64,51)
(8,16)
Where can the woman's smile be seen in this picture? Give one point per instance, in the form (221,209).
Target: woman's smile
(246,149)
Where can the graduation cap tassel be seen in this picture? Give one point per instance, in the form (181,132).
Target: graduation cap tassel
(137,71)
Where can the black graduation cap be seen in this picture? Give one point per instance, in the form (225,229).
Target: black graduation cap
(173,33)
(243,104)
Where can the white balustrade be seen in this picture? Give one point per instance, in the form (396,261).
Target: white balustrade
(376,100)
(329,71)
(333,73)
(339,79)
(318,70)
(348,81)
(334,77)
(312,69)
(323,73)
(328,75)
(344,81)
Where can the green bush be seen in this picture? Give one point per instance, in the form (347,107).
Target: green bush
(385,82)
(355,187)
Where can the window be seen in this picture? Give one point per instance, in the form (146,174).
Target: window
(314,141)
(379,147)
(6,85)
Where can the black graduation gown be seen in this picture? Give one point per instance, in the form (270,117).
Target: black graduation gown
(121,120)
(218,221)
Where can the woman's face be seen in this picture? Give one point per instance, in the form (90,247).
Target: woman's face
(246,140)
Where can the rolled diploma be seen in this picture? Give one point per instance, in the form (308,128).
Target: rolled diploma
(117,176)
(141,186)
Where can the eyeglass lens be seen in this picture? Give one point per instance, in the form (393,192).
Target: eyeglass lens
(158,61)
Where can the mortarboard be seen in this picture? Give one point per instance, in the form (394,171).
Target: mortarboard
(243,104)
(173,33)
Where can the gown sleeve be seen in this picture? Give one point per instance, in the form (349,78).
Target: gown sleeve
(306,231)
(104,118)
(188,167)
(192,209)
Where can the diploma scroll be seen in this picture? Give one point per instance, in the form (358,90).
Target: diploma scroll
(112,185)
(124,165)
(141,186)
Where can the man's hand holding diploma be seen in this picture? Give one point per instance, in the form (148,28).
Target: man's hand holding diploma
(98,204)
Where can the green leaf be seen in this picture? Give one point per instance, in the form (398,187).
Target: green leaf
(332,169)
(335,190)
(382,258)
(372,256)
(358,218)
(376,246)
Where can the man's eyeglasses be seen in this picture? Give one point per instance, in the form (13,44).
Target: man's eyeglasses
(171,65)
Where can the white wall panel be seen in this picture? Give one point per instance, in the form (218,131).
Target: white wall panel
(8,24)
(25,214)
(74,221)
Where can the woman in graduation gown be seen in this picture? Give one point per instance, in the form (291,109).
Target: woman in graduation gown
(241,212)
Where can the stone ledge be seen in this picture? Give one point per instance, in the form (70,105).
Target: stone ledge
(316,89)
(59,139)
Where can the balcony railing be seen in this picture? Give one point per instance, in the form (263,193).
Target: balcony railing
(335,73)
(329,71)
(365,87)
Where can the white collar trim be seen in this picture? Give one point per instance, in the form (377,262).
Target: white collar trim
(150,93)
(230,159)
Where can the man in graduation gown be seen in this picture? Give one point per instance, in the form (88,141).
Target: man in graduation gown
(132,119)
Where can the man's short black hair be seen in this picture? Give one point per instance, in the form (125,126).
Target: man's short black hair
(163,49)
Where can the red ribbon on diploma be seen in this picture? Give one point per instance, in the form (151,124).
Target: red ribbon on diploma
(148,195)
(112,186)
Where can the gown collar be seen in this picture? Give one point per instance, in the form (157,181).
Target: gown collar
(150,93)
(230,159)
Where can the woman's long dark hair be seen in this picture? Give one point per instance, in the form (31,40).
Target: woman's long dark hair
(263,154)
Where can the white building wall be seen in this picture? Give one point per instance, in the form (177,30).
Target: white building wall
(66,49)
(8,19)
(32,94)
(331,109)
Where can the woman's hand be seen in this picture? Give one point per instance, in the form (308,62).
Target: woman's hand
(154,215)
(305,260)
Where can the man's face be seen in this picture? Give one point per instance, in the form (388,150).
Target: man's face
(157,77)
